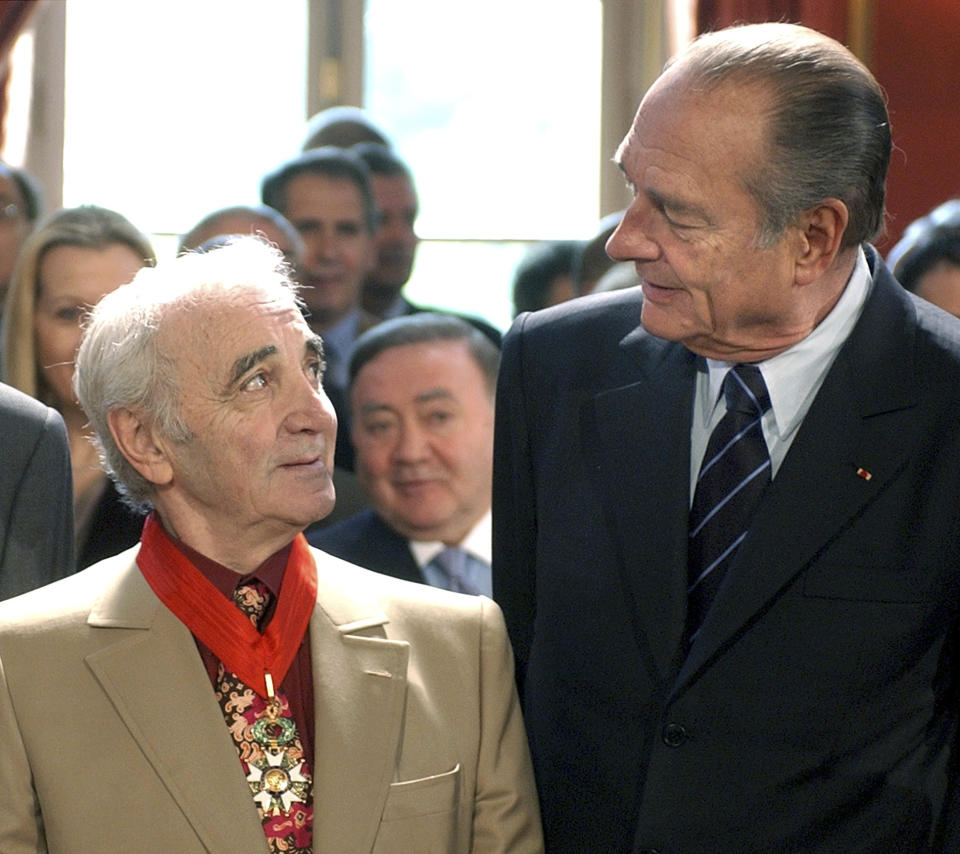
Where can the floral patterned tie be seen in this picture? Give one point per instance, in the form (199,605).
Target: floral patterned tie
(269,747)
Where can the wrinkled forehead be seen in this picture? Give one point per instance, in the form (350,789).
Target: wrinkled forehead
(211,331)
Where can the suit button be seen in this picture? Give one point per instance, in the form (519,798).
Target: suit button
(674,735)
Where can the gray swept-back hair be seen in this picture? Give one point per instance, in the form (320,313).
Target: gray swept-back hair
(120,364)
(829,132)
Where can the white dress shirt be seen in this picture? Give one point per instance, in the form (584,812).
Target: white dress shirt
(478,543)
(793,377)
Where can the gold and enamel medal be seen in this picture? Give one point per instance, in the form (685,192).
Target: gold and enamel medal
(276,777)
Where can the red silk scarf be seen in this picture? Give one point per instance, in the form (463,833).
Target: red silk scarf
(217,622)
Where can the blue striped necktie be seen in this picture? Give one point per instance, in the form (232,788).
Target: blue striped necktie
(734,474)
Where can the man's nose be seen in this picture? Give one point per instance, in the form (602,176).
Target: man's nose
(325,245)
(411,444)
(631,239)
(310,409)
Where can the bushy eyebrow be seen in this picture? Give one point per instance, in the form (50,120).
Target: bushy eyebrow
(374,406)
(250,360)
(424,397)
(434,394)
(313,346)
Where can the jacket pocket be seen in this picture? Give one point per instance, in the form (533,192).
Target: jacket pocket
(421,815)
(434,794)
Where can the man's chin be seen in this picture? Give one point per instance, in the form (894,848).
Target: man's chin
(666,322)
(318,510)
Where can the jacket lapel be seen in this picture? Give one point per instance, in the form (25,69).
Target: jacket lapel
(156,681)
(360,681)
(386,551)
(639,450)
(860,420)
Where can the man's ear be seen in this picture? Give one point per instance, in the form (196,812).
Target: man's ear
(821,233)
(137,441)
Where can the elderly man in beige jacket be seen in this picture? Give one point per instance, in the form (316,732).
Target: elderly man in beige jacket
(223,687)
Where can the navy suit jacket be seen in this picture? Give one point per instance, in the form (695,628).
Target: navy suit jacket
(367,541)
(817,709)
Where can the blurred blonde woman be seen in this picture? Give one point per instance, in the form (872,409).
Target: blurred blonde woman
(73,258)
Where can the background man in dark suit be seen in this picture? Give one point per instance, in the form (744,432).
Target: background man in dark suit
(36,495)
(421,393)
(811,704)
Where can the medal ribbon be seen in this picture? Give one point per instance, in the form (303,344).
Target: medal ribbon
(216,620)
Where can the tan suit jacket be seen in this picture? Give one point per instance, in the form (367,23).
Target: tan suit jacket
(111,738)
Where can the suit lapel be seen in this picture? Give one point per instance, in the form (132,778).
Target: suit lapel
(157,683)
(639,453)
(860,420)
(360,681)
(388,552)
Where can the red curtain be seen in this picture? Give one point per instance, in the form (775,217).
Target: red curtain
(13,18)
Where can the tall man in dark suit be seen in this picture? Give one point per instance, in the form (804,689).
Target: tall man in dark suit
(421,394)
(797,691)
(36,496)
